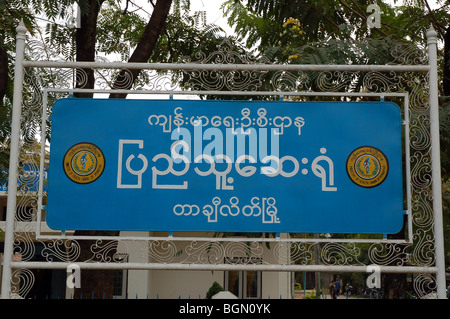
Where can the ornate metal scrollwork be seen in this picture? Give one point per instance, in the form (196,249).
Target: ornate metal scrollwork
(22,281)
(204,253)
(340,254)
(248,251)
(61,250)
(162,251)
(425,286)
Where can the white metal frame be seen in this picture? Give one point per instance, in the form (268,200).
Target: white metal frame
(63,235)
(438,269)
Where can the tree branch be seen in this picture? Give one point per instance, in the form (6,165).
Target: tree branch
(433,18)
(86,37)
(362,16)
(3,71)
(446,73)
(145,46)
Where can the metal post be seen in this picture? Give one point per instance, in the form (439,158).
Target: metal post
(13,160)
(436,164)
(317,274)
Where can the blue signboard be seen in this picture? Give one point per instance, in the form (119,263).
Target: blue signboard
(225,166)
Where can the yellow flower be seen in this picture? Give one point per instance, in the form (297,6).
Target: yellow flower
(289,21)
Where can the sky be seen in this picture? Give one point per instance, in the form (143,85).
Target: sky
(212,8)
(214,14)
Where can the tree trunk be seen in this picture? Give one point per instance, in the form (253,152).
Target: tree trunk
(3,71)
(446,78)
(85,46)
(144,48)
(395,285)
(98,284)
(94,284)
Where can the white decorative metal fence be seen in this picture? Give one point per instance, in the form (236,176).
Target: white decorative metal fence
(409,78)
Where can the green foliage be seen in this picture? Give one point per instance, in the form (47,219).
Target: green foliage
(11,12)
(311,295)
(250,27)
(339,35)
(118,31)
(445,170)
(182,38)
(262,19)
(356,279)
(60,39)
(213,290)
(444,117)
(30,12)
(5,128)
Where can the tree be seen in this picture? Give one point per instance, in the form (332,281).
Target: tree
(329,29)
(147,42)
(106,27)
(86,40)
(327,32)
(213,290)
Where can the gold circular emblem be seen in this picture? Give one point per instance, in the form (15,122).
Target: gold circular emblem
(367,166)
(83,163)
